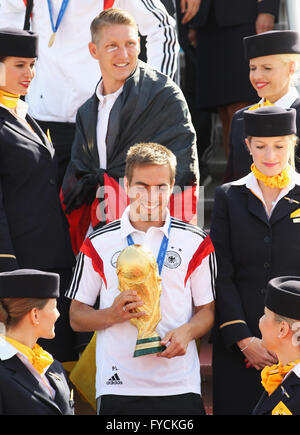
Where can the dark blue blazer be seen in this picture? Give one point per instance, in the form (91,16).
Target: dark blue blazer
(33,229)
(288,393)
(250,249)
(22,394)
(239,160)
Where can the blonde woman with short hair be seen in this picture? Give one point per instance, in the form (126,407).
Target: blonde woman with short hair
(274,62)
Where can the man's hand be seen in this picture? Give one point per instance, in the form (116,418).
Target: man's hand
(177,341)
(189,8)
(85,318)
(124,305)
(264,22)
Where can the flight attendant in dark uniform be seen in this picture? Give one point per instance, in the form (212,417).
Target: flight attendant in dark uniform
(274,58)
(222,83)
(255,232)
(31,382)
(280,327)
(33,229)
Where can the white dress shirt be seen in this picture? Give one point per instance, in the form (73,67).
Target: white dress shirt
(287,100)
(106,103)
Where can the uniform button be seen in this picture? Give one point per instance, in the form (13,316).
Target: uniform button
(52,181)
(267,239)
(266,265)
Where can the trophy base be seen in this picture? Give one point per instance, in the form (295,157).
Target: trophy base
(147,346)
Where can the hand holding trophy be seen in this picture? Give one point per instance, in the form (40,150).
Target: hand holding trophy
(137,270)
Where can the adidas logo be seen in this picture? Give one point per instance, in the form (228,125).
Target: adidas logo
(114,380)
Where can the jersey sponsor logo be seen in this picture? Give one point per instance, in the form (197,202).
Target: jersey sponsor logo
(114,380)
(172,260)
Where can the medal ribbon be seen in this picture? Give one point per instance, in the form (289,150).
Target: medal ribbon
(162,250)
(60,14)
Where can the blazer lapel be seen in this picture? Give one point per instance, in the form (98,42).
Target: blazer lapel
(260,405)
(256,207)
(287,205)
(24,377)
(58,384)
(39,138)
(283,393)
(268,403)
(37,129)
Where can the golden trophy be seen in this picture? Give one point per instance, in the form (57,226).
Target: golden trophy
(137,270)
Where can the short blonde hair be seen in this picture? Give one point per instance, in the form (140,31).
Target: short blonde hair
(149,154)
(292,57)
(109,17)
(293,143)
(278,318)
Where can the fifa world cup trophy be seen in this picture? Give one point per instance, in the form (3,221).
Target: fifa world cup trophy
(137,270)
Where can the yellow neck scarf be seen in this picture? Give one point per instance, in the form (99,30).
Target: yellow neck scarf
(9,100)
(258,105)
(272,376)
(37,356)
(280,180)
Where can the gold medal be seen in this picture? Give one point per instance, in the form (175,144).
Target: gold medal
(52,39)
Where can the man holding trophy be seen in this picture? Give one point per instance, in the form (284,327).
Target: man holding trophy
(154,277)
